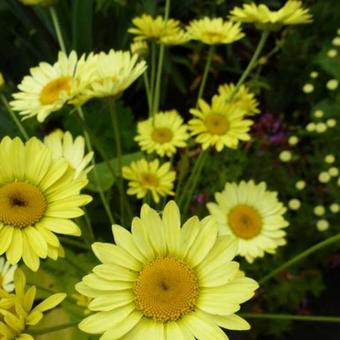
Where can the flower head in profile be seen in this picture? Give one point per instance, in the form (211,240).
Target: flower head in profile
(219,124)
(163,281)
(243,98)
(113,73)
(48,88)
(253,215)
(163,133)
(292,13)
(149,177)
(38,198)
(6,275)
(17,312)
(62,145)
(157,29)
(214,31)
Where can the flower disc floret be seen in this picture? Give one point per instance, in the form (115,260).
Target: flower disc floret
(166,281)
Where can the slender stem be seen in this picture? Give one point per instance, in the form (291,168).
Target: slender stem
(185,196)
(74,243)
(152,76)
(160,62)
(57,28)
(311,318)
(122,197)
(301,256)
(15,118)
(195,177)
(148,90)
(96,176)
(206,72)
(252,63)
(47,330)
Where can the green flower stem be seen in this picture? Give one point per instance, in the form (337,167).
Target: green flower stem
(74,243)
(96,176)
(156,98)
(52,329)
(57,28)
(15,118)
(252,62)
(122,197)
(191,183)
(206,72)
(152,76)
(310,318)
(148,90)
(301,256)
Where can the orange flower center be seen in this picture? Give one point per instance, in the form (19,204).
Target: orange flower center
(244,221)
(52,90)
(216,124)
(162,135)
(149,180)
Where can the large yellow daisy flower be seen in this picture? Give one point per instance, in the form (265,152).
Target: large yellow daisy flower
(219,124)
(244,99)
(163,133)
(214,31)
(251,214)
(114,72)
(38,198)
(149,177)
(62,145)
(48,88)
(162,281)
(156,29)
(292,13)
(17,312)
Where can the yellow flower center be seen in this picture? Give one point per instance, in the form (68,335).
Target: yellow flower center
(216,124)
(213,37)
(162,135)
(21,204)
(149,180)
(51,91)
(166,289)
(244,221)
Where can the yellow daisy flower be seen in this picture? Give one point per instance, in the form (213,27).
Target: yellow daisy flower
(251,214)
(163,281)
(214,31)
(6,275)
(48,88)
(244,99)
(20,313)
(219,124)
(163,133)
(114,72)
(150,177)
(62,145)
(38,198)
(292,13)
(149,28)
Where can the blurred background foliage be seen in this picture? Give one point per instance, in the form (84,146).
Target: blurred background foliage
(27,37)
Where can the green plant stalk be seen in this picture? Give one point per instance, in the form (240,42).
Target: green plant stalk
(206,72)
(189,187)
(310,318)
(96,176)
(156,98)
(301,256)
(147,90)
(152,76)
(57,28)
(252,63)
(15,118)
(52,329)
(123,198)
(196,175)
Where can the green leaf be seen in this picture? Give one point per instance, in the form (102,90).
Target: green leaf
(104,173)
